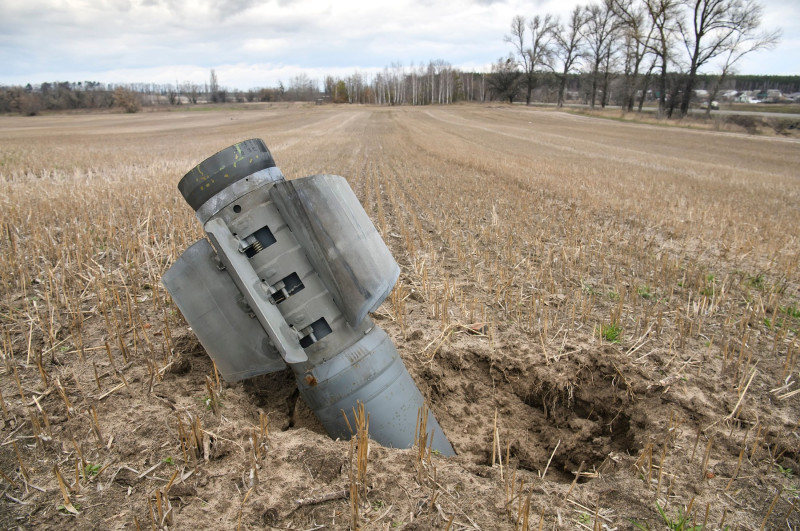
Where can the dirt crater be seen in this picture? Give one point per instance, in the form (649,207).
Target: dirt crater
(552,415)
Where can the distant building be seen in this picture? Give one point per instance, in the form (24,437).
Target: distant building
(748,97)
(773,96)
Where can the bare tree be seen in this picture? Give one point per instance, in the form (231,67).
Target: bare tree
(190,90)
(537,54)
(710,30)
(302,88)
(637,36)
(609,66)
(568,45)
(658,39)
(600,32)
(398,82)
(440,73)
(663,16)
(746,41)
(355,88)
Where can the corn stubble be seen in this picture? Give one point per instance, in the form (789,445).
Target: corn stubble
(512,228)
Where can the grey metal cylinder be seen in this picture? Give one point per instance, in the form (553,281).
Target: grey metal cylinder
(371,372)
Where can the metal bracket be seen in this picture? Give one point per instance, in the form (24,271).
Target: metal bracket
(247,281)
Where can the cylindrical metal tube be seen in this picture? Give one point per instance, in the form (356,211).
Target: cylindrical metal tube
(371,372)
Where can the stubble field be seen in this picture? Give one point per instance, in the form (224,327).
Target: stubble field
(603,315)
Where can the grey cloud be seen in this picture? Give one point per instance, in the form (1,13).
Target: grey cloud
(120,5)
(48,36)
(229,8)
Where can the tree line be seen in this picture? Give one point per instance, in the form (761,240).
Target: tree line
(645,45)
(391,87)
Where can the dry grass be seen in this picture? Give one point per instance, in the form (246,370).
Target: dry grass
(520,235)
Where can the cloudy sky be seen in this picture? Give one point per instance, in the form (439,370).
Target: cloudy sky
(256,43)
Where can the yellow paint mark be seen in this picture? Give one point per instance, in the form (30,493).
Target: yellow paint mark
(227,176)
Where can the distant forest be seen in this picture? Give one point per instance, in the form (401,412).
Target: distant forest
(611,52)
(437,84)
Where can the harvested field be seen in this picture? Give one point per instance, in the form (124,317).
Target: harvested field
(604,316)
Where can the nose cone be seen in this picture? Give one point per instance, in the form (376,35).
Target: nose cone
(223,169)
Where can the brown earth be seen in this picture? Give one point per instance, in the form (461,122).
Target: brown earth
(525,239)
